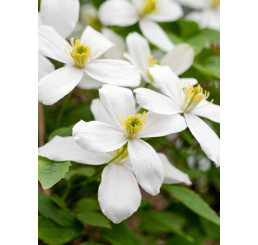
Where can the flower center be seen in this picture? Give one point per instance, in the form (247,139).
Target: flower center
(134,124)
(80,53)
(149,6)
(152,62)
(122,156)
(193,96)
(215,4)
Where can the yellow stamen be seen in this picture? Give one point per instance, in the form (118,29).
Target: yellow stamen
(193,96)
(215,3)
(94,22)
(123,155)
(149,7)
(152,62)
(134,124)
(80,53)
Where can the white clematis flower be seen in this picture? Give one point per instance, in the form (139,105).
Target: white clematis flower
(147,12)
(82,65)
(125,126)
(207,12)
(183,97)
(179,59)
(119,194)
(63,16)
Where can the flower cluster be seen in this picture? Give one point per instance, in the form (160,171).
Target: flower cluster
(160,104)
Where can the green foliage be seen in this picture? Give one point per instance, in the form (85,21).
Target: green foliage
(94,219)
(50,172)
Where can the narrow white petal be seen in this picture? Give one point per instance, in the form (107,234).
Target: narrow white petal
(118,50)
(207,138)
(146,166)
(167,81)
(61,14)
(179,59)
(45,66)
(172,175)
(168,10)
(118,102)
(208,110)
(99,112)
(185,81)
(88,82)
(118,13)
(97,42)
(156,102)
(98,136)
(161,125)
(66,149)
(119,194)
(196,4)
(116,72)
(52,45)
(57,84)
(154,33)
(139,50)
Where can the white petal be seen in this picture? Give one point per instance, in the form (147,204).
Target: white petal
(57,84)
(146,166)
(116,72)
(118,50)
(156,102)
(98,43)
(98,136)
(117,13)
(118,102)
(66,149)
(168,10)
(154,33)
(179,59)
(207,138)
(172,175)
(61,14)
(119,195)
(196,4)
(185,81)
(139,50)
(45,66)
(88,82)
(54,46)
(99,112)
(166,80)
(208,110)
(161,125)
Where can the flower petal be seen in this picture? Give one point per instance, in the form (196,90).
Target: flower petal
(99,112)
(98,136)
(118,102)
(168,11)
(62,15)
(166,81)
(118,50)
(88,82)
(139,50)
(116,72)
(98,43)
(119,194)
(52,45)
(146,166)
(154,33)
(161,125)
(179,59)
(208,110)
(172,175)
(185,81)
(196,4)
(207,138)
(156,102)
(45,66)
(57,84)
(117,13)
(66,149)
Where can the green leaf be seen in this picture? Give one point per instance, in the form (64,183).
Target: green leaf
(165,222)
(50,172)
(86,171)
(87,204)
(194,202)
(211,230)
(187,28)
(52,233)
(94,219)
(211,35)
(120,235)
(65,131)
(91,243)
(198,42)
